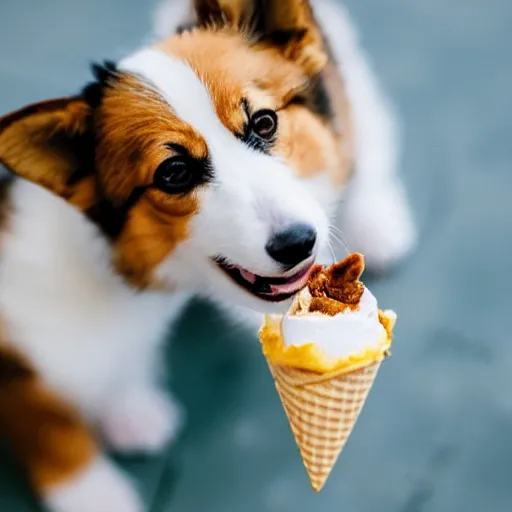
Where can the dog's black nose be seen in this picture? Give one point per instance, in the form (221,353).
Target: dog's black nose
(292,245)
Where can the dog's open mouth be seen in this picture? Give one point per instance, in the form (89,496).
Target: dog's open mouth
(272,289)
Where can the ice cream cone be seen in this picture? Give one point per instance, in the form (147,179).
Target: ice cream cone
(322,410)
(324,354)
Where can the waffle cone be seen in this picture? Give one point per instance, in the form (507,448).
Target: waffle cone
(322,410)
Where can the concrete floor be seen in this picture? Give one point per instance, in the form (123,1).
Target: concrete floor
(436,434)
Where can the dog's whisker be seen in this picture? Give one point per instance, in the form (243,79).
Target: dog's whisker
(339,236)
(340,242)
(339,246)
(331,250)
(336,229)
(339,239)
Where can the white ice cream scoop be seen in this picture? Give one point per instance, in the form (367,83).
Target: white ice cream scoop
(349,332)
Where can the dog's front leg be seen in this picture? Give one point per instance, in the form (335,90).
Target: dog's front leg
(139,416)
(141,419)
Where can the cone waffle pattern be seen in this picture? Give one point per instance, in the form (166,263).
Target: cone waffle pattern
(322,411)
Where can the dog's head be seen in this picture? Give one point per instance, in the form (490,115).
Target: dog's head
(187,154)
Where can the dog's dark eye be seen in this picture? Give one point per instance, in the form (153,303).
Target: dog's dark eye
(175,175)
(264,123)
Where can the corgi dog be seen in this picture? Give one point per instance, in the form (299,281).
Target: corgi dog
(213,161)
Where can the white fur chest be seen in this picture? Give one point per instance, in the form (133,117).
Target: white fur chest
(86,332)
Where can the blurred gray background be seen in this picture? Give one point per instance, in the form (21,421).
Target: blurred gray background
(436,433)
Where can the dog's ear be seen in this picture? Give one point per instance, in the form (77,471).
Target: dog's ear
(51,144)
(235,13)
(289,25)
(286,25)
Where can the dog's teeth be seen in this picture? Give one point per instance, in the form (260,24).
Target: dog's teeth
(262,287)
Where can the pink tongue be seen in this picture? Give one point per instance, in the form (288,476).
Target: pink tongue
(290,287)
(248,276)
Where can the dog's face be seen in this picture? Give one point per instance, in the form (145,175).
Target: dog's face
(187,154)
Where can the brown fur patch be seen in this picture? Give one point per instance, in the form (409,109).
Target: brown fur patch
(232,70)
(156,225)
(13,368)
(45,435)
(83,194)
(307,142)
(135,127)
(5,204)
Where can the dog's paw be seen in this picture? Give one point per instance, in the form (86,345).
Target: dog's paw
(141,421)
(101,487)
(378,223)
